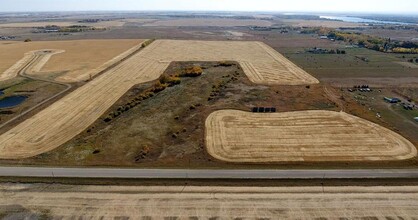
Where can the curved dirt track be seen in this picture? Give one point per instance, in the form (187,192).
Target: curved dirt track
(82,58)
(74,113)
(316,135)
(208,202)
(13,71)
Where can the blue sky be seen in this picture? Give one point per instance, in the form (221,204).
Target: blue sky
(377,6)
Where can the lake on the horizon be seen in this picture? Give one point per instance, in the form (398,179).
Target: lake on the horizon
(359,20)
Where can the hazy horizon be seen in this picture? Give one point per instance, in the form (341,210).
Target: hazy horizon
(318,6)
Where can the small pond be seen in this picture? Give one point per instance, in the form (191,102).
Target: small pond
(12,101)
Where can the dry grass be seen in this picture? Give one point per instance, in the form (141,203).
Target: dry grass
(408,65)
(105,24)
(72,114)
(210,22)
(201,202)
(237,136)
(81,58)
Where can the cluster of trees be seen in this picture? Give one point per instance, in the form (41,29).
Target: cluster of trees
(371,42)
(71,28)
(79,28)
(316,50)
(375,43)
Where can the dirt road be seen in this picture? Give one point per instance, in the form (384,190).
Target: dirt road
(184,202)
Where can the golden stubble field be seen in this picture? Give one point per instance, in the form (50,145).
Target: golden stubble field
(79,59)
(72,114)
(316,135)
(208,202)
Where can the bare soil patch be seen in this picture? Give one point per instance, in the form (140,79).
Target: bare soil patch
(237,136)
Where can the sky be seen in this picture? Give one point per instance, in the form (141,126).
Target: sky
(376,6)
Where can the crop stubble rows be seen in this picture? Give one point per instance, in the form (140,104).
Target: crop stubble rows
(316,135)
(74,113)
(180,202)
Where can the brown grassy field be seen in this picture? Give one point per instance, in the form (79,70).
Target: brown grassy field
(72,114)
(238,136)
(80,59)
(218,22)
(53,201)
(114,23)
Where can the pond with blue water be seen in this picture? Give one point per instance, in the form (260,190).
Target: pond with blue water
(12,101)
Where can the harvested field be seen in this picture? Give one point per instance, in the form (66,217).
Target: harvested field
(35,68)
(52,201)
(13,71)
(261,63)
(115,23)
(238,136)
(74,113)
(210,22)
(82,58)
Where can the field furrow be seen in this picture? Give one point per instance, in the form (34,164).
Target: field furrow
(238,136)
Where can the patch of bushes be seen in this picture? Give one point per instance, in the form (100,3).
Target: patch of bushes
(216,88)
(142,154)
(147,42)
(192,71)
(163,82)
(169,80)
(225,64)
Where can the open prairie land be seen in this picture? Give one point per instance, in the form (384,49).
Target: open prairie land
(238,136)
(217,22)
(75,112)
(52,201)
(81,59)
(102,24)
